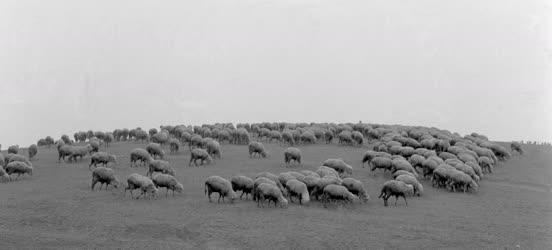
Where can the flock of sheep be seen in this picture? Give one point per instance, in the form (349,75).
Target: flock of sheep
(411,154)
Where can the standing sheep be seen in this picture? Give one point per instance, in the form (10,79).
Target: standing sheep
(299,190)
(292,153)
(102,158)
(334,192)
(357,137)
(145,184)
(516,147)
(213,148)
(395,188)
(257,148)
(169,182)
(160,166)
(242,183)
(355,187)
(19,168)
(418,189)
(13,149)
(200,154)
(174,145)
(217,184)
(104,175)
(381,162)
(339,165)
(139,154)
(155,150)
(270,192)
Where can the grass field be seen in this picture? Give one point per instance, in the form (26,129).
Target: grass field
(55,208)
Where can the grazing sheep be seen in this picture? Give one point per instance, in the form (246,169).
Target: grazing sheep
(333,192)
(292,153)
(79,151)
(324,171)
(106,176)
(287,137)
(160,166)
(17,157)
(13,149)
(102,158)
(309,173)
(19,168)
(368,156)
(381,162)
(401,172)
(442,174)
(64,151)
(213,148)
(174,145)
(155,150)
(345,138)
(272,193)
(95,144)
(476,168)
(322,183)
(311,182)
(447,155)
(458,179)
(516,147)
(139,154)
(409,179)
(2,160)
(200,154)
(258,181)
(486,164)
(339,165)
(395,188)
(283,178)
(356,187)
(33,150)
(297,189)
(416,161)
(328,136)
(274,135)
(168,182)
(257,148)
(357,137)
(217,184)
(274,178)
(145,184)
(3,174)
(402,164)
(244,184)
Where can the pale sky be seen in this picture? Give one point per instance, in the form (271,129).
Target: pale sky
(464,65)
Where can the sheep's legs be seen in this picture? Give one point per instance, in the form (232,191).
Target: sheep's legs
(405,200)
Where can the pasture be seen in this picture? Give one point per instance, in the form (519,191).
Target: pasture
(55,208)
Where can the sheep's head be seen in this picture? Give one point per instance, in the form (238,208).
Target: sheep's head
(116,183)
(264,154)
(283,202)
(179,188)
(473,186)
(419,189)
(353,198)
(409,189)
(232,195)
(209,159)
(113,158)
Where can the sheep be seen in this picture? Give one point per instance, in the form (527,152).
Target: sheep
(466,157)
(406,151)
(357,137)
(381,162)
(323,171)
(200,154)
(79,151)
(64,151)
(139,154)
(256,184)
(333,192)
(3,173)
(292,153)
(322,183)
(104,175)
(441,175)
(169,182)
(401,164)
(274,135)
(409,179)
(311,182)
(368,156)
(244,184)
(274,178)
(19,168)
(287,137)
(2,160)
(309,173)
(486,164)
(155,150)
(464,168)
(213,148)
(395,188)
(161,138)
(160,166)
(516,147)
(33,150)
(416,161)
(102,158)
(339,165)
(355,187)
(476,168)
(13,149)
(328,136)
(270,192)
(345,138)
(145,184)
(257,148)
(284,177)
(174,145)
(17,157)
(95,144)
(401,172)
(308,137)
(447,155)
(217,184)
(298,189)
(458,179)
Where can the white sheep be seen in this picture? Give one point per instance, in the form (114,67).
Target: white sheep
(160,166)
(242,183)
(356,187)
(290,154)
(410,179)
(217,184)
(145,184)
(333,192)
(270,192)
(297,189)
(139,154)
(395,188)
(102,158)
(106,176)
(339,165)
(257,148)
(200,154)
(168,182)
(155,150)
(19,168)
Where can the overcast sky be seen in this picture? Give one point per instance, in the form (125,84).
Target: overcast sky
(463,65)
